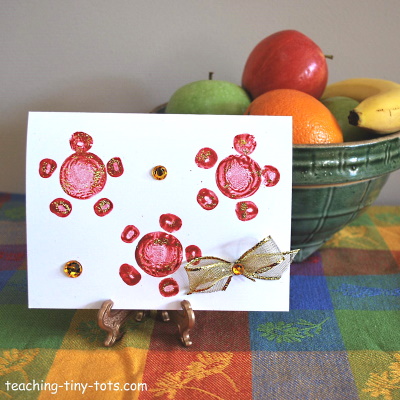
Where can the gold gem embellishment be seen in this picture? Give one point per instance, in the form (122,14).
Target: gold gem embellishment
(238,269)
(73,269)
(263,261)
(159,172)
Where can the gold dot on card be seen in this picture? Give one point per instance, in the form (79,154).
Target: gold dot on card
(238,269)
(73,269)
(159,172)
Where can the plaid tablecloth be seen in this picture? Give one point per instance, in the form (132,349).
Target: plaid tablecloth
(341,339)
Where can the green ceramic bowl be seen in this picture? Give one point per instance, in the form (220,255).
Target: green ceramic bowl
(333,184)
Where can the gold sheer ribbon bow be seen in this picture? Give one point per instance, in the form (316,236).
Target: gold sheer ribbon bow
(263,261)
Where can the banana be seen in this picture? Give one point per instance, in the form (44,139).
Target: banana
(379,107)
(359,88)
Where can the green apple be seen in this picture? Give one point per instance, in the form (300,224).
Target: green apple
(209,97)
(340,107)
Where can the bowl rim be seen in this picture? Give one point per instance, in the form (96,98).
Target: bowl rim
(351,144)
(347,162)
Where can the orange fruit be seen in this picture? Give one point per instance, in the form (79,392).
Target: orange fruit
(313,123)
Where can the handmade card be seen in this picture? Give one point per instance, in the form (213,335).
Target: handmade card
(150,209)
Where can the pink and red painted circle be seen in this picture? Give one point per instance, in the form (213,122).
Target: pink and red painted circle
(83,175)
(238,176)
(159,254)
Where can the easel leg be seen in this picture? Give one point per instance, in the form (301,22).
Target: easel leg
(140,315)
(185,320)
(112,320)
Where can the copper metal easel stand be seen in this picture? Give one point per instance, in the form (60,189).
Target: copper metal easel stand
(112,320)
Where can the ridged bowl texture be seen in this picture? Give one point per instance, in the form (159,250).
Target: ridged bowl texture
(333,184)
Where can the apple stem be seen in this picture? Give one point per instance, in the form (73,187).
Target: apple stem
(210,76)
(330,56)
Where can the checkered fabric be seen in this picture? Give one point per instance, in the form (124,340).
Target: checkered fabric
(341,339)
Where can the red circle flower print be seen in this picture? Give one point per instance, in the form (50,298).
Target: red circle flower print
(238,176)
(159,254)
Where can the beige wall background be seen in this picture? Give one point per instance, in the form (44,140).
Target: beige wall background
(131,55)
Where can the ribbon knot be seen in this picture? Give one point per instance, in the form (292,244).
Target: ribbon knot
(262,261)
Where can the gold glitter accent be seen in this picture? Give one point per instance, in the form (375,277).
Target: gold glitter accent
(73,269)
(66,210)
(159,172)
(243,207)
(162,241)
(102,205)
(204,156)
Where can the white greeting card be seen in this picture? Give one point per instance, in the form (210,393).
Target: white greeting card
(118,204)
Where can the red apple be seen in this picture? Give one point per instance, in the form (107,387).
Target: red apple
(285,60)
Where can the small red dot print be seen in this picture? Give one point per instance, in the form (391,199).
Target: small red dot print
(246,210)
(192,252)
(270,175)
(206,158)
(103,207)
(129,274)
(115,167)
(46,167)
(61,207)
(244,144)
(168,287)
(130,234)
(170,222)
(207,199)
